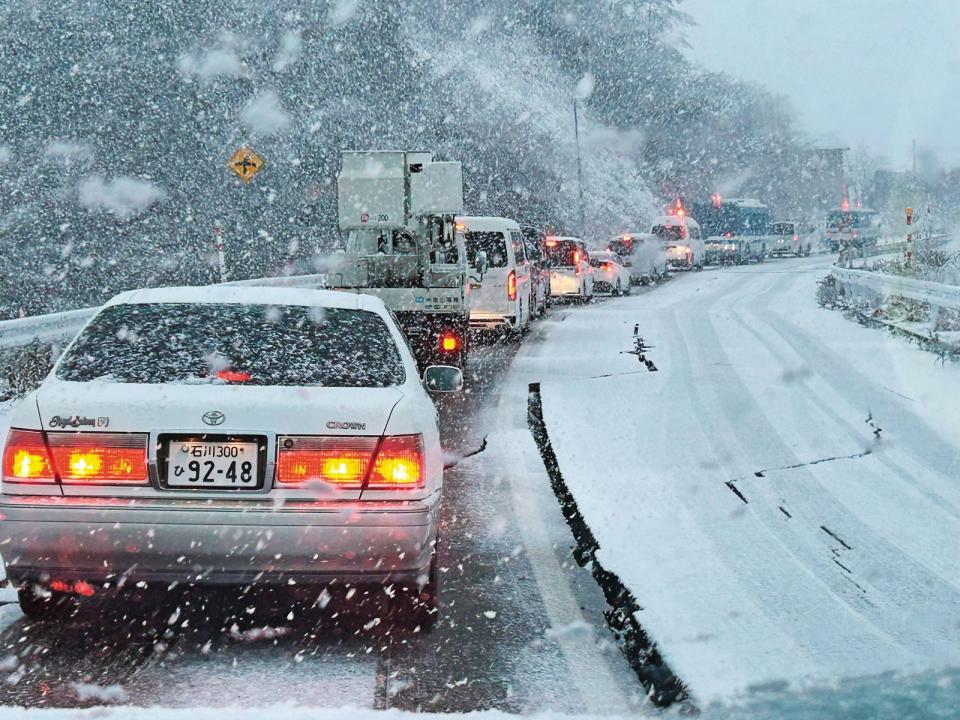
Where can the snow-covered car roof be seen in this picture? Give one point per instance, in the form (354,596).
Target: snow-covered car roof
(605,254)
(249,295)
(486,222)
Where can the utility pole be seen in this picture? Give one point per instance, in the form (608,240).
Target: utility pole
(576,133)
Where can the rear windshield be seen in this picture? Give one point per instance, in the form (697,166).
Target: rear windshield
(670,233)
(603,260)
(492,243)
(563,253)
(250,344)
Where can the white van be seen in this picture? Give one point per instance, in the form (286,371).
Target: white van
(500,298)
(682,241)
(571,275)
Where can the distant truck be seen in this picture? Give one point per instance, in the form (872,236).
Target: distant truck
(852,228)
(397,210)
(737,230)
(790,237)
(681,239)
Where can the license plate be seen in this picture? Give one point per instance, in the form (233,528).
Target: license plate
(217,465)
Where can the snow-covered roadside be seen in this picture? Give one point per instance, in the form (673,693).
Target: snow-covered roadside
(741,492)
(933,696)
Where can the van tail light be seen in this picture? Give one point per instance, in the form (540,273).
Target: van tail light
(512,285)
(352,462)
(99,458)
(399,464)
(26,458)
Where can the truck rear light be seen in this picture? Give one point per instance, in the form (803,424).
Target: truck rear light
(26,458)
(339,461)
(349,462)
(512,285)
(99,458)
(450,342)
(399,464)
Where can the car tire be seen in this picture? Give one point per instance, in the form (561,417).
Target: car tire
(618,290)
(37,606)
(416,607)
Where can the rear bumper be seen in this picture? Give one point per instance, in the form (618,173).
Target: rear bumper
(492,321)
(214,543)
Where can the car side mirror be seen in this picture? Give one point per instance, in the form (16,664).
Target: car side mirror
(481,262)
(443,379)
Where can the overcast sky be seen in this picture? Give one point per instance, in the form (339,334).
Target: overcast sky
(872,72)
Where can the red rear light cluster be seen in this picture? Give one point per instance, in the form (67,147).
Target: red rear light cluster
(512,285)
(450,342)
(31,456)
(371,463)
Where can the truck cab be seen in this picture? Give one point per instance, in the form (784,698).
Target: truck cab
(396,211)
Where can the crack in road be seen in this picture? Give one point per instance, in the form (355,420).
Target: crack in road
(836,537)
(476,451)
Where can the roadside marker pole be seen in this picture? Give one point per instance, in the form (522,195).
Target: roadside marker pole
(909,237)
(220,245)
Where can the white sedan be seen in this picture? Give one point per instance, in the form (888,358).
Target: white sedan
(227,435)
(610,273)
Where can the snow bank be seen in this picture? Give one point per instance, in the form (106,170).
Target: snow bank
(741,492)
(122,196)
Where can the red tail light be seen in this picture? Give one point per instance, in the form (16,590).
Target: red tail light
(349,462)
(512,285)
(399,464)
(233,376)
(608,267)
(450,342)
(340,461)
(26,458)
(77,458)
(99,458)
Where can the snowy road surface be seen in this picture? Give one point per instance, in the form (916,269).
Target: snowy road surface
(781,496)
(522,626)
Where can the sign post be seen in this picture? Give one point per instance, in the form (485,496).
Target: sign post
(220,246)
(909,255)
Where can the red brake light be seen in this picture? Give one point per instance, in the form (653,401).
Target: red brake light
(399,464)
(338,461)
(99,458)
(233,376)
(26,458)
(347,462)
(512,285)
(608,267)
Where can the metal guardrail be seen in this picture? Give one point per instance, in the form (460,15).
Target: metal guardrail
(65,325)
(873,285)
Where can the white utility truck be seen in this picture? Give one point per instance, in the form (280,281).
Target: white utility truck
(397,210)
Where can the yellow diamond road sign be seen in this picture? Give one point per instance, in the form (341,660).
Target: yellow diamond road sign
(245,163)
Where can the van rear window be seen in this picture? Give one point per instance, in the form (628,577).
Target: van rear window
(563,253)
(494,244)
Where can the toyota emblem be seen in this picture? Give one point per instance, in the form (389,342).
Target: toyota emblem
(214,417)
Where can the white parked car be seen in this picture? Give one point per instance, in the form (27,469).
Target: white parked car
(227,435)
(571,275)
(502,298)
(610,273)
